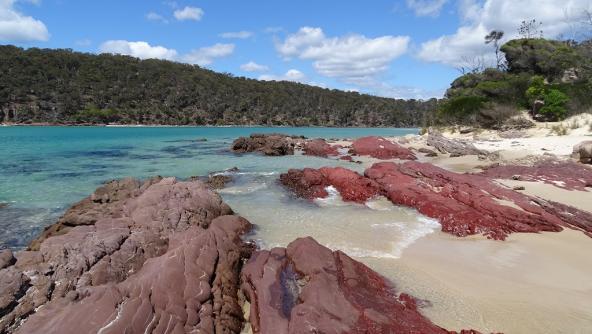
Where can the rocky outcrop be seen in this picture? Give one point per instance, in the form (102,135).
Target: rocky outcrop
(268,144)
(456,148)
(464,204)
(583,152)
(380,148)
(468,204)
(312,183)
(427,152)
(563,174)
(320,148)
(307,288)
(155,256)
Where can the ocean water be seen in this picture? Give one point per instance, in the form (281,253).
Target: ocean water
(43,170)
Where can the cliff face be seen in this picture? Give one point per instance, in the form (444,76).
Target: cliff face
(61,86)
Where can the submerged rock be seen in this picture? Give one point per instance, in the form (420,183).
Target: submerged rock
(564,174)
(320,148)
(268,144)
(380,148)
(312,183)
(134,257)
(307,288)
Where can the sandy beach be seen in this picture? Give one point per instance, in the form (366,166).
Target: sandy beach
(529,283)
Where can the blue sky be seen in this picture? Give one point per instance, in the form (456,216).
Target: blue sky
(407,48)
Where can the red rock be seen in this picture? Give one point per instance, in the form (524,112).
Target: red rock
(468,204)
(311,183)
(320,148)
(159,256)
(307,288)
(380,148)
(564,174)
(346,158)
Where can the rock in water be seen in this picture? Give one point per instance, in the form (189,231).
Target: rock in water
(312,183)
(159,256)
(320,148)
(268,144)
(583,152)
(455,147)
(307,288)
(468,204)
(380,148)
(464,204)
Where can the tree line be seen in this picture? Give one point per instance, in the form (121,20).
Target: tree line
(66,87)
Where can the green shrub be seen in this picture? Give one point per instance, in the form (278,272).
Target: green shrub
(92,114)
(536,90)
(460,109)
(555,102)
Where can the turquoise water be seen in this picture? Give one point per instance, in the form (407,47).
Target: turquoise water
(43,170)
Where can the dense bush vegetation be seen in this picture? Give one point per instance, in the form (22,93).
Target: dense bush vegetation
(40,85)
(555,75)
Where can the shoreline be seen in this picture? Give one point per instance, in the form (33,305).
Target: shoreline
(195,126)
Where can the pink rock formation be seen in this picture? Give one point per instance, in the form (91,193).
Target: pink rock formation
(472,204)
(307,288)
(464,204)
(159,256)
(320,148)
(380,148)
(564,174)
(311,183)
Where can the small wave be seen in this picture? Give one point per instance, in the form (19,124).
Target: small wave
(246,189)
(362,252)
(246,173)
(333,199)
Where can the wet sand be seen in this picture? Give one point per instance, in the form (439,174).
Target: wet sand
(530,283)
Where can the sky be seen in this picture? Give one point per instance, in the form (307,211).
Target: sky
(402,49)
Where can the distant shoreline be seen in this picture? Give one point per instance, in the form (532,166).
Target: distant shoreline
(192,126)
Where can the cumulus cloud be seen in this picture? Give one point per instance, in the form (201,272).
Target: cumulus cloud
(237,34)
(152,16)
(426,7)
(140,49)
(15,26)
(206,55)
(352,59)
(290,75)
(253,67)
(189,13)
(480,17)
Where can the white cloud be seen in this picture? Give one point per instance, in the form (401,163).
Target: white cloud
(426,7)
(152,16)
(237,34)
(189,13)
(253,67)
(84,42)
(352,59)
(138,49)
(290,75)
(15,26)
(479,18)
(206,55)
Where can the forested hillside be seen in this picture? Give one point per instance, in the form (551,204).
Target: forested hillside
(62,86)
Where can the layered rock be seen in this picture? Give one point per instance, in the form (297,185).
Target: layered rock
(454,147)
(464,204)
(307,288)
(563,174)
(468,204)
(583,152)
(268,144)
(380,148)
(158,256)
(312,183)
(320,148)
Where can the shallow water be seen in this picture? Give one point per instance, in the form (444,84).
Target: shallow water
(43,170)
